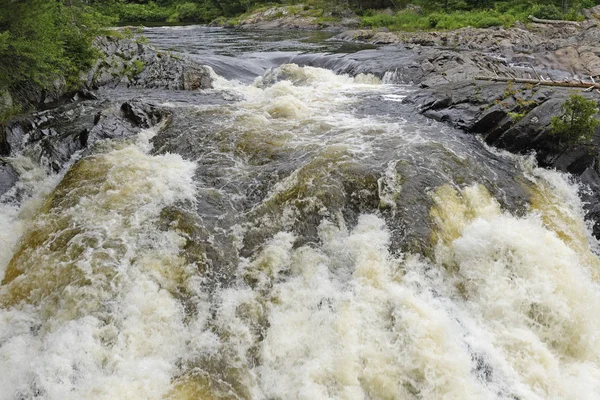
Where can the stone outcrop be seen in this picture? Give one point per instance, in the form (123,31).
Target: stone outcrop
(430,67)
(134,64)
(297,17)
(517,118)
(550,50)
(52,137)
(122,61)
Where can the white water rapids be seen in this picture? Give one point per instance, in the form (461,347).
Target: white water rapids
(99,300)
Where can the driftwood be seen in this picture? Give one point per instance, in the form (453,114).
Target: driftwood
(553,21)
(575,84)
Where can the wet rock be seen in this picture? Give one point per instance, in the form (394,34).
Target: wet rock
(143,114)
(22,132)
(518,119)
(8,177)
(53,136)
(119,122)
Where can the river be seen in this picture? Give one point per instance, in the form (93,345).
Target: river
(297,232)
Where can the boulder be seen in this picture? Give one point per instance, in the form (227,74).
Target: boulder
(125,120)
(8,177)
(129,63)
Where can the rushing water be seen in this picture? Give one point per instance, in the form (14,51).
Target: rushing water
(296,234)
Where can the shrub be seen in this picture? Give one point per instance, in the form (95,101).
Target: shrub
(577,122)
(150,12)
(488,21)
(548,11)
(404,20)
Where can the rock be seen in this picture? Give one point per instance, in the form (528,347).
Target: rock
(126,120)
(8,177)
(128,63)
(350,23)
(485,108)
(384,38)
(143,114)
(53,136)
(357,35)
(589,24)
(414,8)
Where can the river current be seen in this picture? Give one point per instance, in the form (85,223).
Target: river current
(297,232)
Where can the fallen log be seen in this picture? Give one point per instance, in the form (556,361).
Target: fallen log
(553,21)
(580,84)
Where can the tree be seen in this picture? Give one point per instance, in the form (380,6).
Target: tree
(577,122)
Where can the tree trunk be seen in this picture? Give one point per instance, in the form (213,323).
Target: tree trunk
(553,21)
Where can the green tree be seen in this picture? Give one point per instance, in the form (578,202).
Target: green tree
(41,38)
(577,122)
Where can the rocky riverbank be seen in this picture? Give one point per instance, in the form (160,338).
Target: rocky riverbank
(73,121)
(552,51)
(514,117)
(517,118)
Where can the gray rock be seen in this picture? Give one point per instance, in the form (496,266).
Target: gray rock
(125,120)
(126,62)
(8,177)
(485,108)
(53,136)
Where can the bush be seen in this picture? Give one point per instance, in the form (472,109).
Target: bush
(488,21)
(577,122)
(404,20)
(150,12)
(42,40)
(548,11)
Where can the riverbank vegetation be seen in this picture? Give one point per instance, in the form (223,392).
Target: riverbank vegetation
(446,15)
(577,123)
(46,44)
(392,14)
(43,44)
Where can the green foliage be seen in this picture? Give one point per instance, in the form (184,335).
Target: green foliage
(134,68)
(411,20)
(422,14)
(405,20)
(547,11)
(43,39)
(516,116)
(454,14)
(149,12)
(577,122)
